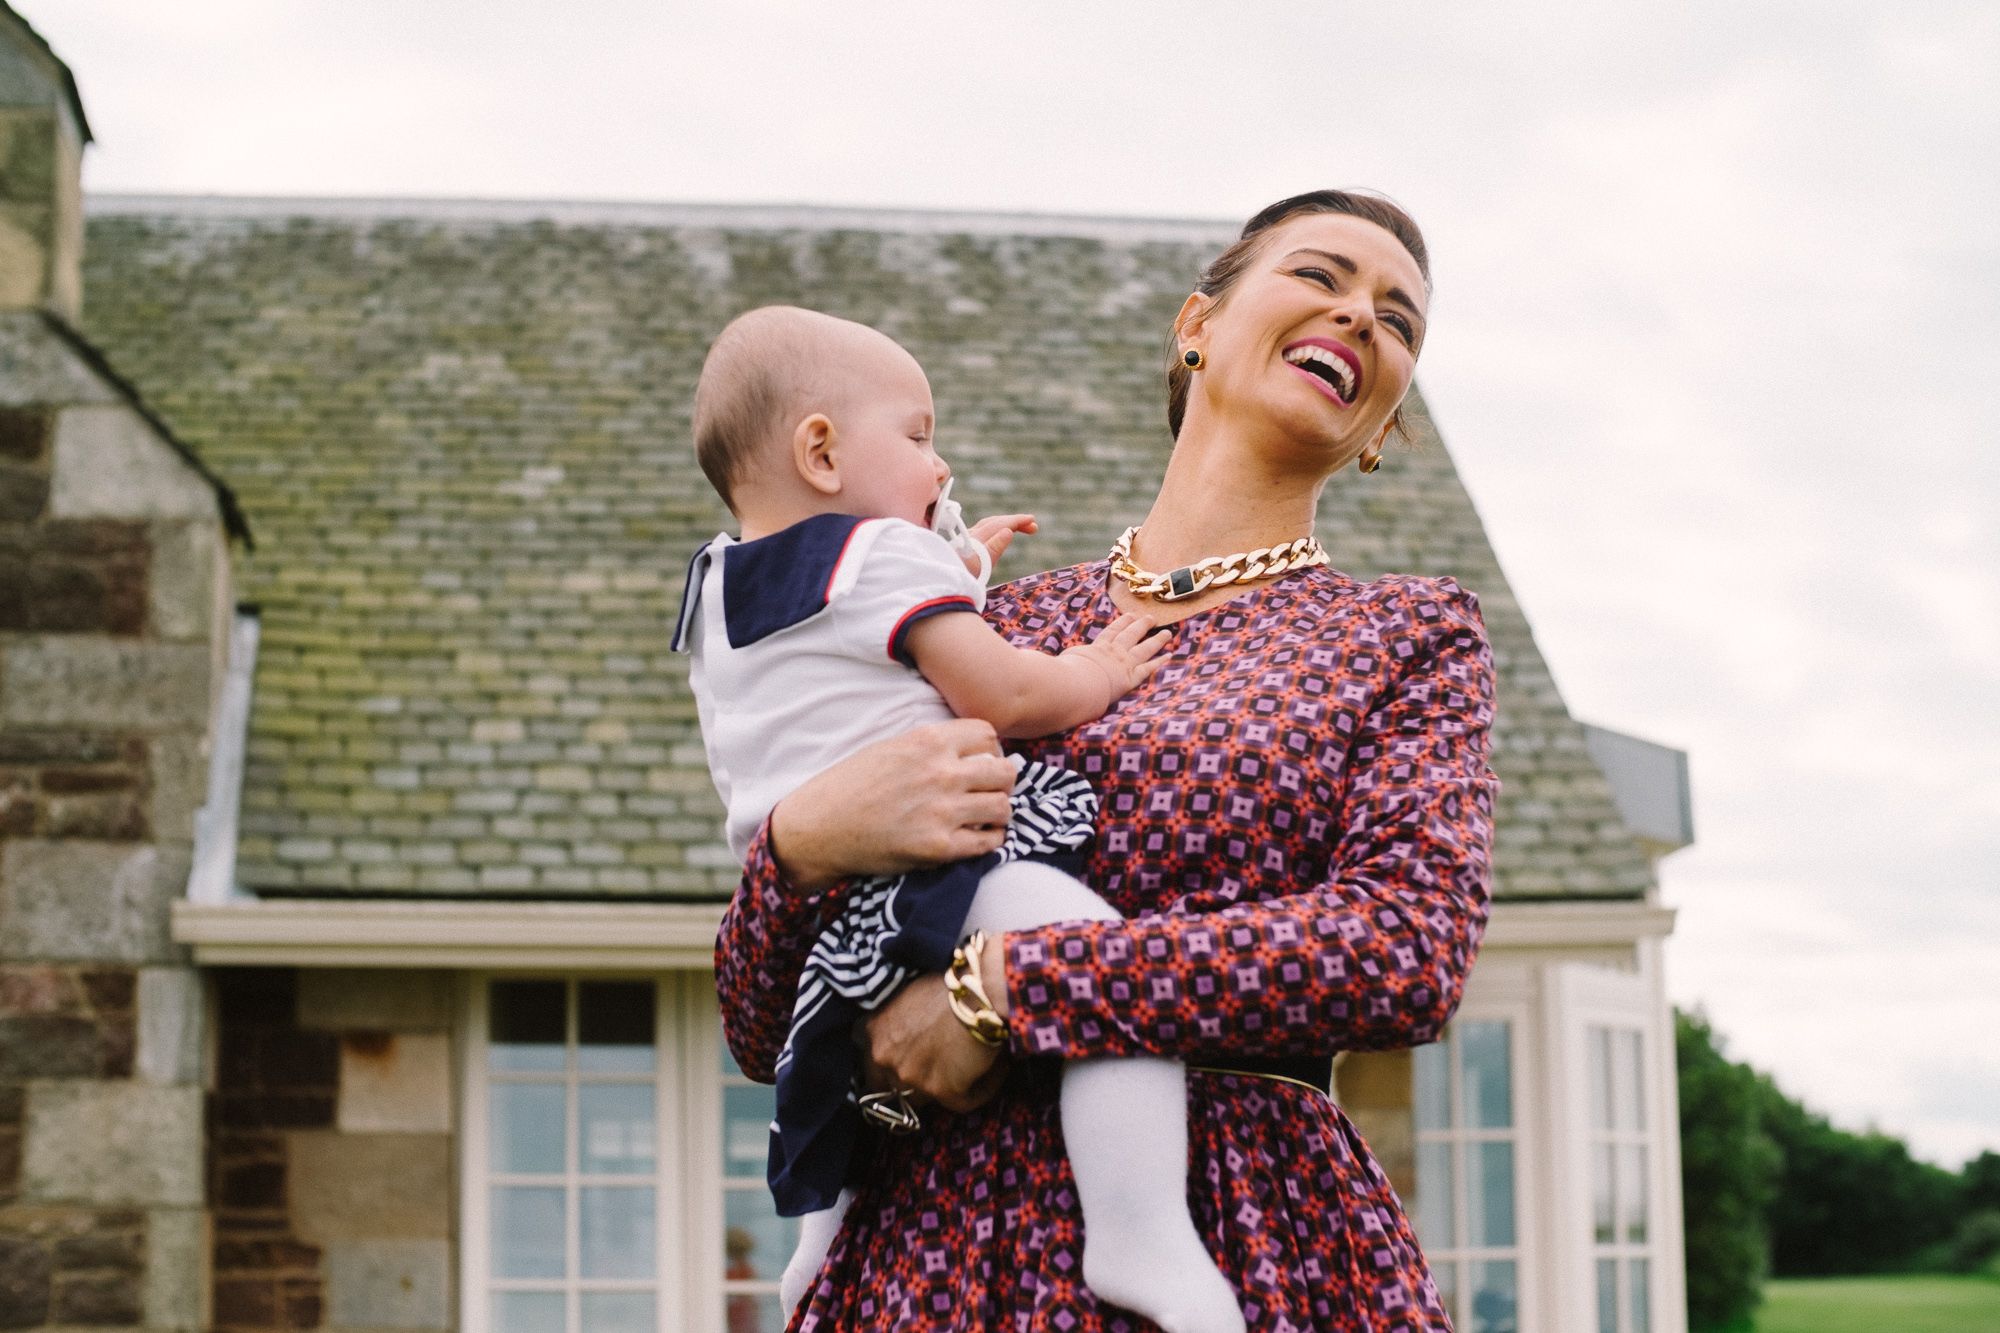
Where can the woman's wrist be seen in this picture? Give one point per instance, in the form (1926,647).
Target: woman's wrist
(783,842)
(993,972)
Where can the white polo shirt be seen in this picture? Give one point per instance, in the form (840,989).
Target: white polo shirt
(798,644)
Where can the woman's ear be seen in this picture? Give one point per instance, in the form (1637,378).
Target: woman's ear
(1192,321)
(812,454)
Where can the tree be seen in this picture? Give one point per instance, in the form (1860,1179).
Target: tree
(1729,1174)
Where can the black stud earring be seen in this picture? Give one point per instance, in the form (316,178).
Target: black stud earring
(1192,358)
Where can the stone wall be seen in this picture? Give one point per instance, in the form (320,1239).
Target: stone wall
(114,601)
(330,1158)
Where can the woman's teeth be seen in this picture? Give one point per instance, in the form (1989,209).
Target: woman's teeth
(1319,361)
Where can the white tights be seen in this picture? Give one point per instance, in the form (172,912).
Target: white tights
(1124,1122)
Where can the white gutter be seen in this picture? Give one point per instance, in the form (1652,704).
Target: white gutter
(213,878)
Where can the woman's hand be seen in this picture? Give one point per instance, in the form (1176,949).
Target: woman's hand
(916,1043)
(936,794)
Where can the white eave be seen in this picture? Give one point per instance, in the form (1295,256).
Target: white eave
(334,932)
(648,937)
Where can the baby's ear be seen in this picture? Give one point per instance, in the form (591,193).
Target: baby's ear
(812,454)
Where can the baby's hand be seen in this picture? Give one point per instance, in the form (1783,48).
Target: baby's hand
(1126,651)
(996,533)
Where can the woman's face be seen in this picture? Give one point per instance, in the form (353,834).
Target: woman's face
(1318,337)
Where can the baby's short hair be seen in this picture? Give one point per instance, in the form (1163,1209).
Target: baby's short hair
(762,372)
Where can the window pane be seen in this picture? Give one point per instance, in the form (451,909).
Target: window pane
(1631,1106)
(525,1023)
(527,1121)
(755,1314)
(1433,1087)
(1445,1274)
(1437,1198)
(614,1128)
(528,1312)
(618,1312)
(617,1231)
(1642,1301)
(1493,1298)
(1632,1193)
(746,1130)
(756,1241)
(1491,1200)
(527,1232)
(1607,1296)
(614,1027)
(1484,1066)
(1602,1225)
(1600,1078)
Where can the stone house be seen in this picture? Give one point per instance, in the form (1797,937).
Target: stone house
(358,886)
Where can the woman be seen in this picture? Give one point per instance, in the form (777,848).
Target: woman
(1297,822)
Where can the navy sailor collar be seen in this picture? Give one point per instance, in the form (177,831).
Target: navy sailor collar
(772,583)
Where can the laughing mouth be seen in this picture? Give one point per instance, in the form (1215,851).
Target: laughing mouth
(1329,366)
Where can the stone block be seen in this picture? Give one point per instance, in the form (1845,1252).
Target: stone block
(187,567)
(107,462)
(177,1259)
(382,1284)
(370,1186)
(24,492)
(380,1000)
(88,900)
(170,1025)
(99,1299)
(41,369)
(89,1141)
(25,1273)
(179,764)
(395,1083)
(24,434)
(101,682)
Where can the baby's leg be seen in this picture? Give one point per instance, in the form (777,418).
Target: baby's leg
(816,1233)
(1125,1123)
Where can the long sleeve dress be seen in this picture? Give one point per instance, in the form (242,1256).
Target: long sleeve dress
(1297,821)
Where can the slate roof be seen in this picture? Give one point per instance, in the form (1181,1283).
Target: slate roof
(462,432)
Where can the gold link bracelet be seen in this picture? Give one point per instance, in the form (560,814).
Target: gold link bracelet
(966,992)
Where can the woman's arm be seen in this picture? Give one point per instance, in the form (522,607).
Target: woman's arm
(1375,957)
(936,794)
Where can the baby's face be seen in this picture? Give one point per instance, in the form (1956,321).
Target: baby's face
(884,444)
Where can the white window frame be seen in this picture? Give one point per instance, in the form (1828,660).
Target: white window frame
(687,1151)
(1498,994)
(1580,997)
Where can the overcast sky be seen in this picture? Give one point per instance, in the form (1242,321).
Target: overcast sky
(1714,344)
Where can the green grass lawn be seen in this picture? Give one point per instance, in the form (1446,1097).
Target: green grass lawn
(1881,1305)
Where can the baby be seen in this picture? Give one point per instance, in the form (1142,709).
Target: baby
(839,618)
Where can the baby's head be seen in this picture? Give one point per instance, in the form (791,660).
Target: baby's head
(799,413)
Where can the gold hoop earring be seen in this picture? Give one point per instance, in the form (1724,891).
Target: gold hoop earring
(1193,359)
(1370,460)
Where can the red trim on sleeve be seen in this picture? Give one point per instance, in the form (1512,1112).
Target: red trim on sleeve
(924,611)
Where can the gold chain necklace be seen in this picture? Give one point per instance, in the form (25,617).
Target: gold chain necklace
(1215,571)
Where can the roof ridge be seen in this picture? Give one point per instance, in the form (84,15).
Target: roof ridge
(612,212)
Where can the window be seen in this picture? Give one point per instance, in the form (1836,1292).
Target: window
(756,1241)
(1620,1208)
(1467,1144)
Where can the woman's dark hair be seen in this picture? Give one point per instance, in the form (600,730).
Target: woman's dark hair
(1221,275)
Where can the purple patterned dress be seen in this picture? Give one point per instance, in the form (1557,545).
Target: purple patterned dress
(1297,820)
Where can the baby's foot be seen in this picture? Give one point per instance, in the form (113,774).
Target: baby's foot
(1169,1278)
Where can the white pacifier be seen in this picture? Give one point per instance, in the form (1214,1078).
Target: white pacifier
(948,522)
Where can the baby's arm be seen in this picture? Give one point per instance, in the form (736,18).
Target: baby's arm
(1026,693)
